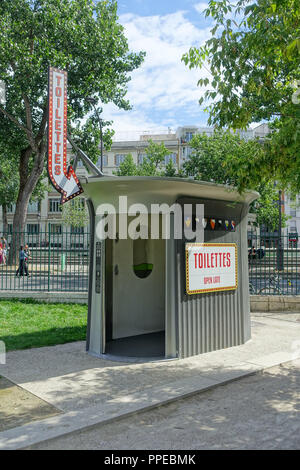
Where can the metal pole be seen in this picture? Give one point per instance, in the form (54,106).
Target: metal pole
(279,248)
(101,137)
(49,255)
(93,102)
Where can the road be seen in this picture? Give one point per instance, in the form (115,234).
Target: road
(288,284)
(74,282)
(257,412)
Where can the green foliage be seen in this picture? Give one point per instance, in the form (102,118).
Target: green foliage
(127,167)
(226,158)
(82,37)
(9,181)
(266,207)
(88,136)
(75,213)
(152,164)
(11,143)
(253,57)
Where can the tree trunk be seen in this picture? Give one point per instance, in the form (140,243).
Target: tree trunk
(27,185)
(4,219)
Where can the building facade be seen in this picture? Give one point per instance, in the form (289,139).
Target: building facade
(47,214)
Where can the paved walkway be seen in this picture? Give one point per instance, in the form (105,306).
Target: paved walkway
(90,391)
(259,412)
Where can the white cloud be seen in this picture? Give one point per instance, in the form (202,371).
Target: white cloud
(200,7)
(163,84)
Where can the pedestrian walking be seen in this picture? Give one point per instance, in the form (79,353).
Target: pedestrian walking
(1,253)
(5,247)
(28,256)
(22,265)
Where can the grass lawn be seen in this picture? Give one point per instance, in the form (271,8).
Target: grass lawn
(30,324)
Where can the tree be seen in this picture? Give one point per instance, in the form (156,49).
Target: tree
(75,213)
(221,158)
(80,36)
(8,188)
(127,167)
(152,164)
(87,135)
(253,59)
(9,176)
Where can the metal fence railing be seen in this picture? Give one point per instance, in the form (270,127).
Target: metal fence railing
(58,261)
(274,264)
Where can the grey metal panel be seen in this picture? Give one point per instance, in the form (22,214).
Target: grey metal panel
(91,254)
(170,296)
(97,309)
(211,321)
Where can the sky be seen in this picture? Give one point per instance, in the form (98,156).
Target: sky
(163,92)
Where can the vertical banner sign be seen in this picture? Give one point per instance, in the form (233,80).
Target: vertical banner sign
(64,180)
(211,267)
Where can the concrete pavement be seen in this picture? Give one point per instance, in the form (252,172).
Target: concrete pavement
(91,391)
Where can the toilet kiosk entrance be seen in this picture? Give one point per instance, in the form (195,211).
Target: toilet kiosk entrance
(168,297)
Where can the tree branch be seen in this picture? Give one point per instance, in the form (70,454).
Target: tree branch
(13,119)
(41,132)
(28,112)
(21,126)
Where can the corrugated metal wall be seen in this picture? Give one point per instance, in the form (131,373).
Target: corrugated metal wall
(211,321)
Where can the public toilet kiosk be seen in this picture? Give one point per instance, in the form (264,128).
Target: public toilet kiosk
(166,296)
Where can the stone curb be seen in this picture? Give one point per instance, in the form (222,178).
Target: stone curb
(51,297)
(258,303)
(275,303)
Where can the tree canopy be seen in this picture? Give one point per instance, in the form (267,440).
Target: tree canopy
(82,37)
(153,163)
(222,158)
(253,58)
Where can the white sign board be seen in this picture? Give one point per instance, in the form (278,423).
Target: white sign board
(210,267)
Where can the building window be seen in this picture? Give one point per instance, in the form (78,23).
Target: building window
(119,158)
(33,229)
(33,208)
(188,136)
(292,212)
(11,208)
(54,206)
(171,157)
(105,161)
(79,202)
(55,229)
(141,158)
(9,229)
(77,230)
(186,152)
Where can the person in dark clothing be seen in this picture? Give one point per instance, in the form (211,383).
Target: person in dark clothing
(27,254)
(252,253)
(22,263)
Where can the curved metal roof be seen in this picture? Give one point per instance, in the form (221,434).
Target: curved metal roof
(158,190)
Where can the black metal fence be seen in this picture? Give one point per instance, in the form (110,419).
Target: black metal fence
(57,261)
(274,267)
